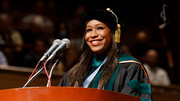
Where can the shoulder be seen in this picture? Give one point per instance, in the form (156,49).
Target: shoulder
(131,66)
(125,57)
(129,62)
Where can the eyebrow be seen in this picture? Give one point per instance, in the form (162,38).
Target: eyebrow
(95,25)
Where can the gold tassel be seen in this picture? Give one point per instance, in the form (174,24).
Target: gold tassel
(118,30)
(117,34)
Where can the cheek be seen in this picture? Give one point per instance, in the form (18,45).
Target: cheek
(108,36)
(105,33)
(109,41)
(86,37)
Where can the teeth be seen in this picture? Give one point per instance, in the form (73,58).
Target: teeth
(95,41)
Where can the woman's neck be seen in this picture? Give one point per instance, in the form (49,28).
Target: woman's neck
(97,60)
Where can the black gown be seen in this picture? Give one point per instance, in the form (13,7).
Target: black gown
(131,78)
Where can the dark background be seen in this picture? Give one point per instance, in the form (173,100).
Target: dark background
(136,15)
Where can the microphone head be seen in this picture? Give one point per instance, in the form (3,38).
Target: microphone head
(67,42)
(58,41)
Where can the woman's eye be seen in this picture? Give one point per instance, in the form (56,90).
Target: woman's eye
(88,30)
(100,28)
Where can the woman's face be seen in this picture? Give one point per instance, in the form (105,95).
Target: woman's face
(98,37)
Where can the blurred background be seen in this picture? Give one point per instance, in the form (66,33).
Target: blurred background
(28,28)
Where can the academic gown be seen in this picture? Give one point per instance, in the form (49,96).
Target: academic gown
(130,77)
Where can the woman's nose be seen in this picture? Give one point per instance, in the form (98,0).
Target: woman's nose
(94,34)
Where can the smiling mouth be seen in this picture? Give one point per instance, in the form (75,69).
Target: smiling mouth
(95,42)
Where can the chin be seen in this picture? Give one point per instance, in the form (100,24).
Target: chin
(99,52)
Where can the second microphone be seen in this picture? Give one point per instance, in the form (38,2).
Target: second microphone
(65,43)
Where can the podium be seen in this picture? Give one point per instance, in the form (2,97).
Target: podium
(63,94)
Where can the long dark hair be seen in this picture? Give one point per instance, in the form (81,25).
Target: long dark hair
(83,67)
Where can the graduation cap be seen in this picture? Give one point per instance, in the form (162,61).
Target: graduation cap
(107,16)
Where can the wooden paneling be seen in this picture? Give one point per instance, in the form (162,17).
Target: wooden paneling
(15,77)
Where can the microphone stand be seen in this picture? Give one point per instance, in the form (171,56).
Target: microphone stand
(33,77)
(39,71)
(50,73)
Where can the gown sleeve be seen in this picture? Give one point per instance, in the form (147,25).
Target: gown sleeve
(135,82)
(64,81)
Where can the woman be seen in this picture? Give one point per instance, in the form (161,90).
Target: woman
(101,63)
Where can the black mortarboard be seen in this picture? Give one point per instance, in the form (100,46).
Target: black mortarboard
(105,16)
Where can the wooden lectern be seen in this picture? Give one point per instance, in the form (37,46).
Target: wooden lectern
(63,94)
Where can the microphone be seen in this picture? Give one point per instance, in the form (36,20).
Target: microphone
(55,44)
(65,43)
